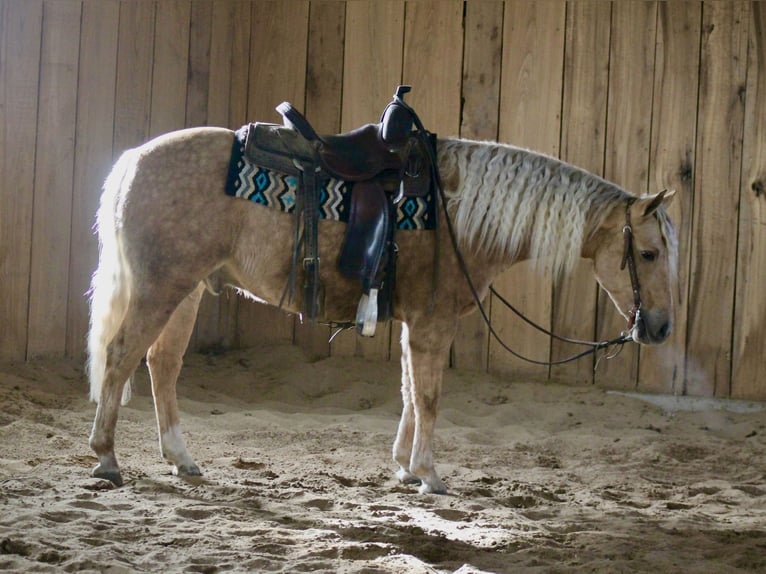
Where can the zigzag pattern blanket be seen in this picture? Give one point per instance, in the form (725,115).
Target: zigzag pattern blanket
(276,190)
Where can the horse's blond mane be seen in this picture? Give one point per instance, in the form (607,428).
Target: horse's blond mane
(509,200)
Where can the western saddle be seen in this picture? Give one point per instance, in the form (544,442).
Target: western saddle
(385,162)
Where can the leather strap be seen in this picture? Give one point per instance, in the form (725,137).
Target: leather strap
(311,286)
(628,258)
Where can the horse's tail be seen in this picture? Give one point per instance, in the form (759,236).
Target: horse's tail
(110,288)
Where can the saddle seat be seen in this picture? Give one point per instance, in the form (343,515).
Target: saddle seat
(365,152)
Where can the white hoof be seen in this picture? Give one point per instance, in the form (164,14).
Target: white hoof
(432,486)
(186,470)
(406,477)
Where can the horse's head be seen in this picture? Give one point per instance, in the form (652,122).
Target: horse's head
(642,231)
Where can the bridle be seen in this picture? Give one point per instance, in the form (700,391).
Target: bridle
(629,259)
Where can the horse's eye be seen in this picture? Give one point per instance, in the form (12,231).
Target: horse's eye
(648,255)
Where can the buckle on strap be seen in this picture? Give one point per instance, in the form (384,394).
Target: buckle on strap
(627,233)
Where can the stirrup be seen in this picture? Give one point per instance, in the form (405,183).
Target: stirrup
(367,314)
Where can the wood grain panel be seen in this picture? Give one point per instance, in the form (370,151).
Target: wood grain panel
(169,73)
(222,38)
(93,154)
(432,63)
(674,123)
(748,380)
(530,116)
(198,68)
(239,87)
(586,74)
(628,131)
(482,63)
(20,30)
(716,197)
(374,41)
(54,168)
(133,92)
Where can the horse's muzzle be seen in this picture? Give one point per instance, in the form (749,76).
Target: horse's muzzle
(652,327)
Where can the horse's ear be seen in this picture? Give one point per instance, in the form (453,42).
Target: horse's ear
(649,204)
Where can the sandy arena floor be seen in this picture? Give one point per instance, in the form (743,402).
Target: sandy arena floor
(298,477)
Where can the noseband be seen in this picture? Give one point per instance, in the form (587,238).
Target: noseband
(628,258)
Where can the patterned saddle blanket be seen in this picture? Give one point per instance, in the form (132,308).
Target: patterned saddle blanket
(276,190)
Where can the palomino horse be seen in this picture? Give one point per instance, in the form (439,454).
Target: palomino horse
(167,229)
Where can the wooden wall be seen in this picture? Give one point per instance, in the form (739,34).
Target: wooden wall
(652,95)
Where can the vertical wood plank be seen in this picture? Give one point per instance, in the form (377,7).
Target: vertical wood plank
(93,154)
(230,64)
(54,169)
(432,63)
(198,69)
(222,37)
(586,73)
(169,75)
(748,381)
(374,41)
(530,116)
(135,49)
(276,75)
(324,71)
(674,123)
(239,85)
(716,197)
(20,29)
(324,84)
(482,62)
(628,131)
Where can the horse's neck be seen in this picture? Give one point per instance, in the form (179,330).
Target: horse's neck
(511,204)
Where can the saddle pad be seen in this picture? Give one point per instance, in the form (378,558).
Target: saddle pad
(277,190)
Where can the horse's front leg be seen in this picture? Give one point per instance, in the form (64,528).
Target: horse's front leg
(406,433)
(424,356)
(165,359)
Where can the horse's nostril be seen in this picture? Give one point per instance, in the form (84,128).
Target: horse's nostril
(664,331)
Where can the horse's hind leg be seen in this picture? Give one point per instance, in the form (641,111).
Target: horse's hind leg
(144,319)
(165,358)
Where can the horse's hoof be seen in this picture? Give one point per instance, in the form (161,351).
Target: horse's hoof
(406,477)
(113,475)
(433,485)
(425,489)
(187,470)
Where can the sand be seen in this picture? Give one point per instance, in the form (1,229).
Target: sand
(298,476)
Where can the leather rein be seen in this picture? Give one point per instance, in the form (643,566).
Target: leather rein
(628,259)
